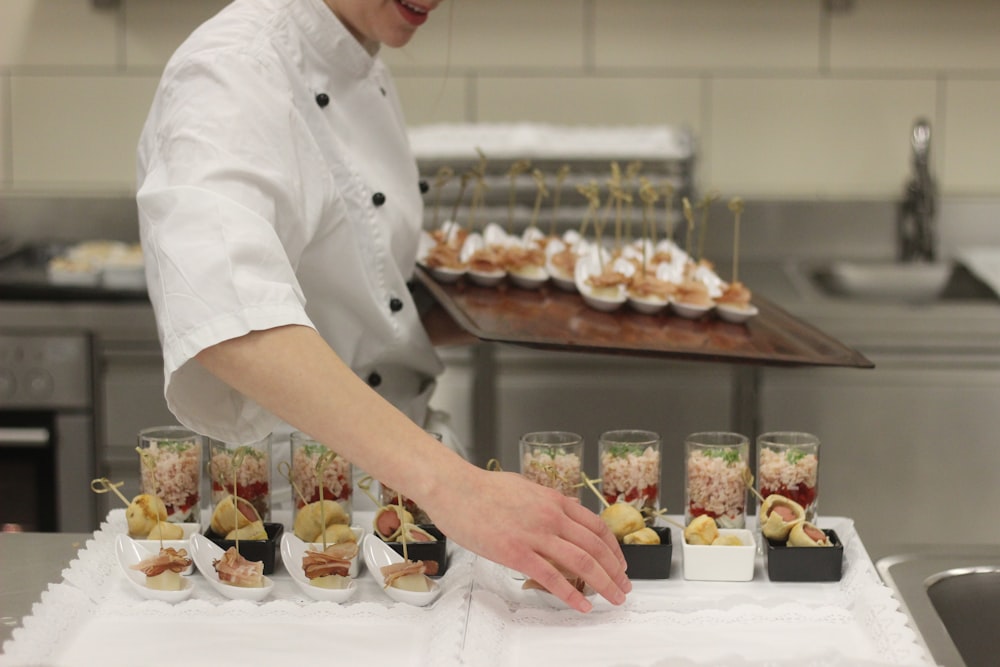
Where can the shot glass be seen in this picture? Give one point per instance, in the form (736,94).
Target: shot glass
(170,468)
(788,465)
(389,496)
(319,473)
(630,468)
(553,459)
(243,471)
(715,477)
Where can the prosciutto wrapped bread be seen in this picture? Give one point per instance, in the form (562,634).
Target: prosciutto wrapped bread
(235,570)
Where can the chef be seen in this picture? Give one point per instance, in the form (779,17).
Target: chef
(279,210)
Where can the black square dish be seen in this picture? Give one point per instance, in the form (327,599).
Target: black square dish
(650,561)
(256,550)
(427,551)
(785,563)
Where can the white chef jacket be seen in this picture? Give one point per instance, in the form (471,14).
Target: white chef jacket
(276,187)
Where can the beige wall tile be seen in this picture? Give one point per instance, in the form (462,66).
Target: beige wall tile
(970,156)
(514,33)
(590,100)
(433,99)
(154,29)
(812,137)
(917,34)
(79,131)
(56,32)
(779,34)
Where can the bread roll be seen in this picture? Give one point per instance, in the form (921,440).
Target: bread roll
(312,519)
(143,513)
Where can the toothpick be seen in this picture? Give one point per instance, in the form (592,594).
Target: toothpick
(442,177)
(557,195)
(590,483)
(519,167)
(542,193)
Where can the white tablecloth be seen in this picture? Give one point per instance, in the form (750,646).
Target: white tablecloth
(483,618)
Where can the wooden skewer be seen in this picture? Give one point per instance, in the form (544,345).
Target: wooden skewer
(736,206)
(556,196)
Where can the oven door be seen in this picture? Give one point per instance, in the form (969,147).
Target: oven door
(28,485)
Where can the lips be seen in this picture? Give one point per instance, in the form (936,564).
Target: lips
(413,13)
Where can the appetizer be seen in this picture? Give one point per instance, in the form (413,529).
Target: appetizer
(235,570)
(246,468)
(232,513)
(702,530)
(171,467)
(778,516)
(313,519)
(806,534)
(408,576)
(329,568)
(389,521)
(252,531)
(165,530)
(163,571)
(143,514)
(631,474)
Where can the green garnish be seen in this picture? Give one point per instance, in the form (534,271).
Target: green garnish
(794,456)
(729,455)
(622,451)
(318,449)
(245,450)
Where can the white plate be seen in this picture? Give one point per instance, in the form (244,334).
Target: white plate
(735,314)
(377,555)
(444,274)
(128,553)
(487,278)
(292,550)
(647,305)
(183,543)
(689,310)
(533,278)
(203,552)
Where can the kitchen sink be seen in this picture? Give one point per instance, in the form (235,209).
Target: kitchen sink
(893,282)
(952,596)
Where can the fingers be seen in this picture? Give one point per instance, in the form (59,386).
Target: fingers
(543,572)
(598,560)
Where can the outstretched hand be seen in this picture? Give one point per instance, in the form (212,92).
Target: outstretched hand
(534,530)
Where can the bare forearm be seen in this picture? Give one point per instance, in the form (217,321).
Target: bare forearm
(294,374)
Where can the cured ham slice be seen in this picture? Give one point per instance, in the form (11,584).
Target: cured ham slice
(174,560)
(408,575)
(336,559)
(235,570)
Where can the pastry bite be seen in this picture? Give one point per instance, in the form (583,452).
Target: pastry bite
(702,530)
(642,536)
(230,514)
(164,530)
(313,519)
(389,521)
(779,515)
(336,533)
(806,534)
(623,519)
(253,531)
(727,540)
(143,514)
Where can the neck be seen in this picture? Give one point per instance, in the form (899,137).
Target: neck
(370,45)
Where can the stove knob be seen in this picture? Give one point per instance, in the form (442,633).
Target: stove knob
(8,385)
(39,384)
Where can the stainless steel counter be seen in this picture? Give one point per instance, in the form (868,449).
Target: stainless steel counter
(28,563)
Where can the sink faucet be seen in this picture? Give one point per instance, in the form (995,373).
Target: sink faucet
(915,232)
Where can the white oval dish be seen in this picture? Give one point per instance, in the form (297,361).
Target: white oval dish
(203,552)
(378,554)
(183,543)
(128,553)
(443,274)
(529,278)
(646,305)
(292,550)
(735,314)
(690,311)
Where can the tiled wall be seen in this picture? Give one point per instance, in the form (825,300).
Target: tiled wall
(786,98)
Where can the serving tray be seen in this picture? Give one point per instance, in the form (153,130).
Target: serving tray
(550,318)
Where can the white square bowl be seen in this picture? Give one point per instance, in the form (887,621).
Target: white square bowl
(721,563)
